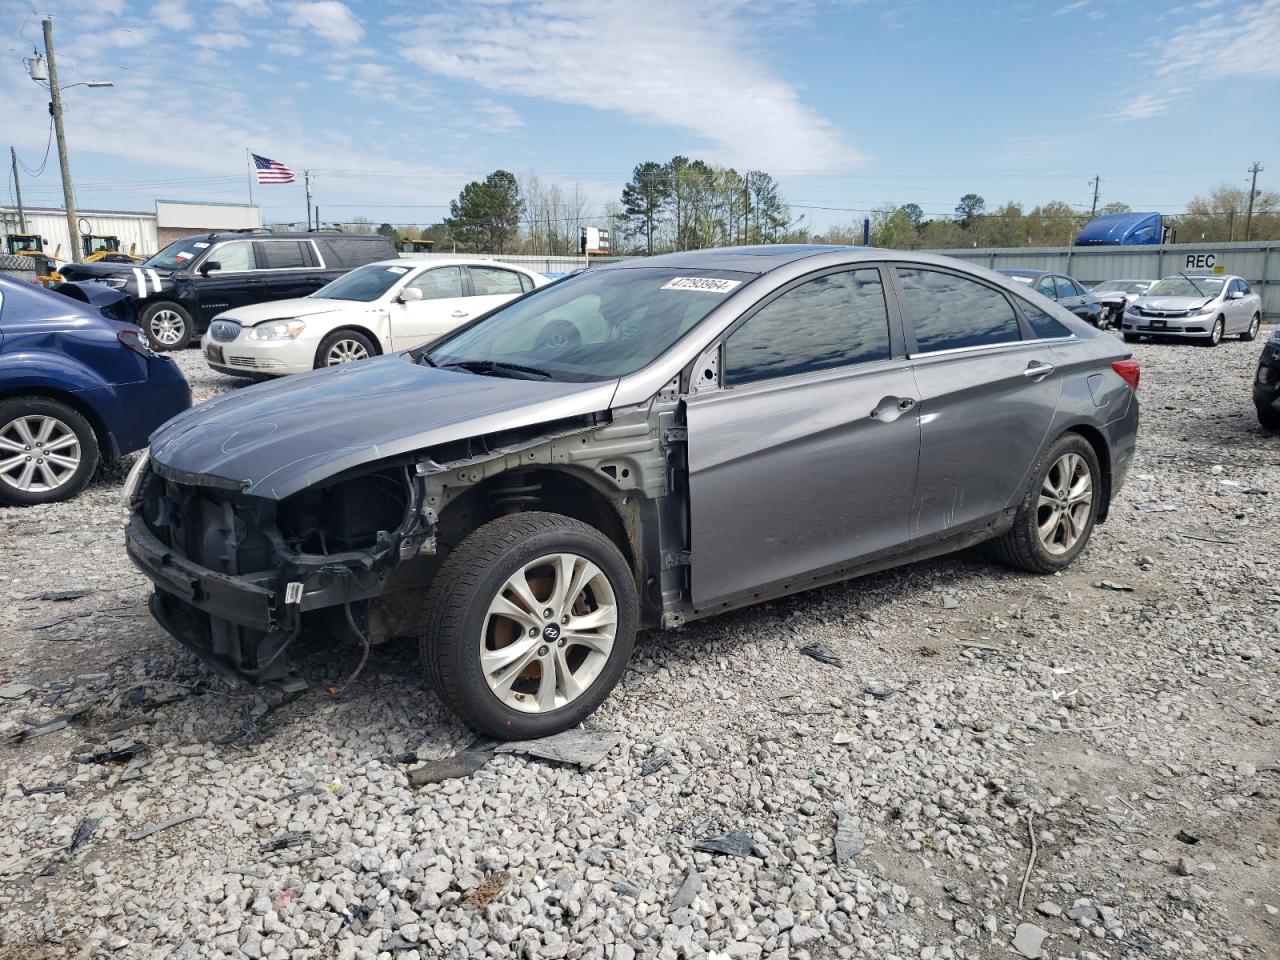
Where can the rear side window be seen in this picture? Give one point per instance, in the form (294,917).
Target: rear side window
(340,252)
(283,254)
(1067,288)
(492,282)
(830,321)
(526,283)
(951,312)
(1045,286)
(1044,325)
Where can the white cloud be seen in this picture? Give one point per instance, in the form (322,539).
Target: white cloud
(172,14)
(1145,105)
(287,49)
(331,20)
(220,41)
(496,117)
(678,65)
(1062,11)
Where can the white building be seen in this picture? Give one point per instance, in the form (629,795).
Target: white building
(139,232)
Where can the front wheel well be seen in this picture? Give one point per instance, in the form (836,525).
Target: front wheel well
(1095,439)
(363,331)
(106,442)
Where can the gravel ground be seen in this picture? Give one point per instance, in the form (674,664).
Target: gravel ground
(1016,762)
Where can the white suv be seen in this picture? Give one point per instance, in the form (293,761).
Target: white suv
(378,308)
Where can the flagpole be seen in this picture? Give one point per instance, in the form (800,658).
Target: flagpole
(248,157)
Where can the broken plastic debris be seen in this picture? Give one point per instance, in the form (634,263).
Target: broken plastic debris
(584,748)
(823,654)
(848,843)
(735,843)
(688,890)
(654,762)
(83,832)
(881,691)
(166,824)
(1111,585)
(450,768)
(59,596)
(1156,507)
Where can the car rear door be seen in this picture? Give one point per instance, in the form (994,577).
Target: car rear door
(803,460)
(443,306)
(290,269)
(988,391)
(493,286)
(1071,296)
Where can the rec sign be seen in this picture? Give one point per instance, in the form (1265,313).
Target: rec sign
(1203,261)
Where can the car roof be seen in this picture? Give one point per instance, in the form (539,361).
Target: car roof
(448,262)
(758,259)
(292,235)
(1015,272)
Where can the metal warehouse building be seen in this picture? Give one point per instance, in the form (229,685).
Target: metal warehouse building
(140,232)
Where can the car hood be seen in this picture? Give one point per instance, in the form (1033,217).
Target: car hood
(253,314)
(1172,303)
(103,270)
(274,439)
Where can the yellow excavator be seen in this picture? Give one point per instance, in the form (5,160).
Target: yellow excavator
(96,248)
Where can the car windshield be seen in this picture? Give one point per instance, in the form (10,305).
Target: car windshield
(1121,286)
(177,254)
(1186,287)
(1020,277)
(365,284)
(597,325)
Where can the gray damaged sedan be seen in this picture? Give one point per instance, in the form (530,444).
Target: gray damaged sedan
(636,446)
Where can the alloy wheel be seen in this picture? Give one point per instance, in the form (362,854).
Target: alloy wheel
(345,351)
(38,454)
(1216,336)
(1253,326)
(167,327)
(1066,498)
(548,633)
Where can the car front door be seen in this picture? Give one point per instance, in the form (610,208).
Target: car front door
(803,460)
(234,283)
(443,306)
(987,397)
(491,287)
(1239,311)
(1072,297)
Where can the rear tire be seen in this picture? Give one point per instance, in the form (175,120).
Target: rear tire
(567,662)
(167,326)
(1252,330)
(1046,538)
(1269,417)
(30,474)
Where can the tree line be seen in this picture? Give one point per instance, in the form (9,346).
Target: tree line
(685,204)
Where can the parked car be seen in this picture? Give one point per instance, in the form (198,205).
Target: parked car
(1067,292)
(1116,295)
(184,286)
(640,445)
(76,388)
(378,308)
(1203,308)
(1266,383)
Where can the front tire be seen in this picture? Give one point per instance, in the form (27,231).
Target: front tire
(529,625)
(167,326)
(1057,515)
(1269,417)
(1215,336)
(344,346)
(48,451)
(1252,331)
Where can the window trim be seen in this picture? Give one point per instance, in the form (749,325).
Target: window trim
(897,343)
(298,240)
(909,322)
(504,269)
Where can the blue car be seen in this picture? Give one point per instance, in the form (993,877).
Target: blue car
(76,387)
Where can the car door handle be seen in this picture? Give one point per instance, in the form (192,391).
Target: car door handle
(890,408)
(1036,370)
(459,313)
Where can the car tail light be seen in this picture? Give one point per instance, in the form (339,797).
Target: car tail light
(135,341)
(1130,371)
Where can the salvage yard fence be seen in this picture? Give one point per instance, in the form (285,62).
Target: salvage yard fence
(1258,262)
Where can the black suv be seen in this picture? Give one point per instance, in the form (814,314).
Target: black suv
(1266,383)
(180,289)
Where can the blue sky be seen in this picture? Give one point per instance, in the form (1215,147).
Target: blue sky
(395,105)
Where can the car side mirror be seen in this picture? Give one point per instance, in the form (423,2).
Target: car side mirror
(1235,295)
(209,265)
(410,295)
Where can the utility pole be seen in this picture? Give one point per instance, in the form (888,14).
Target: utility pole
(17,188)
(55,108)
(306,179)
(1095,181)
(1253,192)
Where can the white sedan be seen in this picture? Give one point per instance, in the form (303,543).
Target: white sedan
(378,308)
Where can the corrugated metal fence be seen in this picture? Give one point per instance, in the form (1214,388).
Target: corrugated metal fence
(1258,263)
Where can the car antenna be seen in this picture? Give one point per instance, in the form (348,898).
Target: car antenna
(1192,282)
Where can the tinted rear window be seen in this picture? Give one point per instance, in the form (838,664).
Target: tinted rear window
(1043,324)
(343,252)
(951,311)
(283,254)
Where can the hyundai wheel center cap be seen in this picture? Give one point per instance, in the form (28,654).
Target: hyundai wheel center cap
(551,632)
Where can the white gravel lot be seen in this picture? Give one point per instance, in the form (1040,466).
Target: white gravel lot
(1128,738)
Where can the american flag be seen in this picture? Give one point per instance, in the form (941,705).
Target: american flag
(272,171)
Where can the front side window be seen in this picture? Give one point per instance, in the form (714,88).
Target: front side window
(1245,288)
(597,325)
(439,283)
(1045,286)
(951,312)
(492,282)
(1067,287)
(283,254)
(236,256)
(830,321)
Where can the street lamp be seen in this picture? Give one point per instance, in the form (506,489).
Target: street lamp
(46,74)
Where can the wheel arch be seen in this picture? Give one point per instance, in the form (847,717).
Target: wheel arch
(360,329)
(1096,439)
(107,447)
